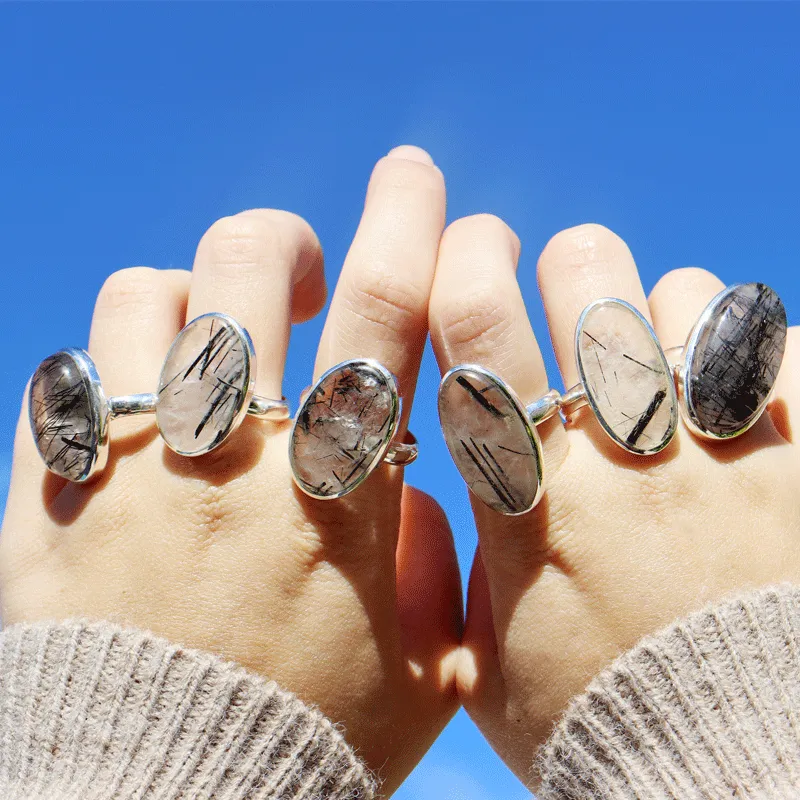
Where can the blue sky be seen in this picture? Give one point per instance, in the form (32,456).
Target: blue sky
(126,129)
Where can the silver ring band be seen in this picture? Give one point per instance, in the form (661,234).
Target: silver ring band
(401,454)
(266,408)
(130,404)
(127,405)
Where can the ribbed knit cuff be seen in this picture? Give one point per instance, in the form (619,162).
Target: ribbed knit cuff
(708,708)
(91,711)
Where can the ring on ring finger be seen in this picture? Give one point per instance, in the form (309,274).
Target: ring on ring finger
(345,427)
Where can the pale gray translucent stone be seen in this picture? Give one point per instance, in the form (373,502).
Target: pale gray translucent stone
(204,386)
(627,380)
(63,418)
(734,358)
(343,428)
(493,444)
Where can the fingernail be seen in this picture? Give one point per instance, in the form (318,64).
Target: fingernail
(409,152)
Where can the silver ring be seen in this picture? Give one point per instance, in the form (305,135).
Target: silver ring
(69,414)
(492,437)
(624,377)
(345,428)
(731,361)
(206,391)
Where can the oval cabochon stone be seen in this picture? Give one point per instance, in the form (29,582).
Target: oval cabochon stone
(733,359)
(63,420)
(343,429)
(627,379)
(493,444)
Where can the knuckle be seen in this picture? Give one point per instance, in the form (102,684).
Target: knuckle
(479,229)
(386,300)
(685,279)
(397,175)
(128,288)
(478,321)
(582,245)
(260,237)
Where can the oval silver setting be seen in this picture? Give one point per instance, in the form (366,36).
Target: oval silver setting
(69,415)
(696,353)
(205,385)
(636,387)
(491,439)
(343,428)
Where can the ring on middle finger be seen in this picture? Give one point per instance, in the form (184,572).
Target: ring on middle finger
(206,386)
(624,377)
(492,437)
(346,427)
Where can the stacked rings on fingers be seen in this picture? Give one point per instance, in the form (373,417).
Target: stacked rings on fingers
(204,392)
(732,359)
(345,427)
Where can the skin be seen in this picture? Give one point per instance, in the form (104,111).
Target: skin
(621,545)
(355,605)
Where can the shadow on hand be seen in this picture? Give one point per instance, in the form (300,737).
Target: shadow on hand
(64,501)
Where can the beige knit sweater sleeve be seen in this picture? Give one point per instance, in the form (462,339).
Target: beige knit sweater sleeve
(708,708)
(95,712)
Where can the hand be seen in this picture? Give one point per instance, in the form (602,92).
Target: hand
(355,604)
(620,545)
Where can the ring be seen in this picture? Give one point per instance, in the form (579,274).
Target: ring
(69,414)
(492,437)
(624,377)
(206,386)
(205,390)
(731,360)
(345,427)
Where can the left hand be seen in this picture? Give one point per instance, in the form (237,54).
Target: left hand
(353,604)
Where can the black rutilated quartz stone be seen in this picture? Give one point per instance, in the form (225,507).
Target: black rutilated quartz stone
(736,358)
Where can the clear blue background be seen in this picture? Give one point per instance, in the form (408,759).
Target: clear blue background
(125,130)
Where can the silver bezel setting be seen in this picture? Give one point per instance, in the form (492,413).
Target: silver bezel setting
(522,412)
(391,428)
(248,355)
(673,395)
(683,374)
(98,405)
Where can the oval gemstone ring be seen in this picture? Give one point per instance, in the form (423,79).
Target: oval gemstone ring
(624,377)
(492,437)
(70,414)
(345,428)
(206,386)
(731,361)
(204,392)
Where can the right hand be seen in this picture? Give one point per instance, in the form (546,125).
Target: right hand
(620,545)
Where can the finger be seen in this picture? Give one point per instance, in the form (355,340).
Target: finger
(477,314)
(784,409)
(380,307)
(264,268)
(577,266)
(480,676)
(137,315)
(677,301)
(429,595)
